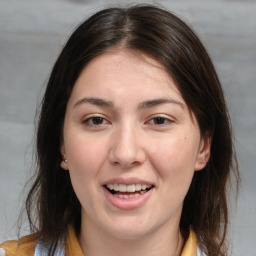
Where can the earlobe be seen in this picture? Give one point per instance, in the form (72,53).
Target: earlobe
(204,152)
(64,162)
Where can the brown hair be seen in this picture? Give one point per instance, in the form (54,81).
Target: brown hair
(161,35)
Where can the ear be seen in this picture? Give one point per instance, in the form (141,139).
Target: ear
(204,152)
(64,162)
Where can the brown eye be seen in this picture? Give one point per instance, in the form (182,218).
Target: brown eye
(97,120)
(160,120)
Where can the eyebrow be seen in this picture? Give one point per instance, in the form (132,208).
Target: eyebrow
(94,101)
(160,101)
(142,105)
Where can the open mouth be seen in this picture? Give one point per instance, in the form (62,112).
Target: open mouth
(128,191)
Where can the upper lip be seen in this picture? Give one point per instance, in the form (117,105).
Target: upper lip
(127,181)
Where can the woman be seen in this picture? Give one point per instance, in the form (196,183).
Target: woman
(134,144)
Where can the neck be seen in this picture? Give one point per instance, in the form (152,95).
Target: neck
(94,241)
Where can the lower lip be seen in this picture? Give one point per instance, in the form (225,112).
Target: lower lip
(130,203)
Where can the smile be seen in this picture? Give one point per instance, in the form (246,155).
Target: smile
(123,191)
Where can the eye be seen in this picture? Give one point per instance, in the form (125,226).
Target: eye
(95,121)
(160,121)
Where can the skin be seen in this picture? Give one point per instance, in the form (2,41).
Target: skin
(137,136)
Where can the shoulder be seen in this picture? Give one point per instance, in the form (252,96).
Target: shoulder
(23,246)
(8,248)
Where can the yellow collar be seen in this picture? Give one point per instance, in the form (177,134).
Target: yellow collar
(190,247)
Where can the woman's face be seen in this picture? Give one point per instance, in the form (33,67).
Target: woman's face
(131,145)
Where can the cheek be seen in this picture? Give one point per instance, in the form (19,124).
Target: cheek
(174,159)
(176,152)
(84,151)
(85,158)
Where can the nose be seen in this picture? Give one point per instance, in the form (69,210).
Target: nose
(127,148)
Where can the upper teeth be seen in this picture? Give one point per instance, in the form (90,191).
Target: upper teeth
(128,188)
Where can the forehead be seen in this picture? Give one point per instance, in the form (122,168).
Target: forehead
(123,70)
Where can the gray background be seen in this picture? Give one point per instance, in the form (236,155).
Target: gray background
(31,36)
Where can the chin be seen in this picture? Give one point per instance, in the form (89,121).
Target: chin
(129,231)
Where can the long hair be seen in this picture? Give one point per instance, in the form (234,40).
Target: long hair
(52,204)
